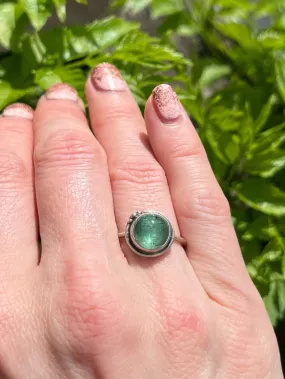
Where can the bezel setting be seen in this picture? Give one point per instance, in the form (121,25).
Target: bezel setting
(139,250)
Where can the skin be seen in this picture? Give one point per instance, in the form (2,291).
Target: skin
(87,307)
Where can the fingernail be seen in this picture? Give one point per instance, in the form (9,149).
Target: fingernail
(62,91)
(106,77)
(19,110)
(166,103)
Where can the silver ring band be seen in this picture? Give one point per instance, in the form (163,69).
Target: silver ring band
(150,234)
(180,240)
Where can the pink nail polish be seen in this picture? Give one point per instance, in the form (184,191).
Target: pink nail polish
(166,103)
(107,77)
(18,110)
(61,91)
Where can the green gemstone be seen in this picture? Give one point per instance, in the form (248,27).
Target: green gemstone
(151,232)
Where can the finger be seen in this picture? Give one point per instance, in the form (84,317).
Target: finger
(73,190)
(202,210)
(138,181)
(18,225)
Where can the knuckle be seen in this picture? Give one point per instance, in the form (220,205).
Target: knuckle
(183,322)
(93,310)
(209,205)
(186,151)
(13,171)
(119,115)
(67,149)
(212,203)
(247,300)
(232,295)
(138,172)
(185,331)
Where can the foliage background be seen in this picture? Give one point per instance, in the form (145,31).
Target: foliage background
(231,79)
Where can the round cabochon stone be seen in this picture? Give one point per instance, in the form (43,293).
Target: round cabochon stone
(151,231)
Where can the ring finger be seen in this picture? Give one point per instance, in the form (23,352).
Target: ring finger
(202,210)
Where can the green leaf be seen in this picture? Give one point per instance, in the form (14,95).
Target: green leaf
(193,107)
(213,73)
(233,3)
(8,94)
(224,145)
(264,158)
(275,301)
(118,4)
(272,252)
(240,219)
(38,11)
(265,113)
(60,9)
(279,23)
(261,195)
(9,14)
(238,95)
(224,118)
(280,74)
(106,32)
(265,7)
(250,250)
(272,39)
(262,228)
(77,42)
(219,168)
(162,8)
(239,33)
(34,51)
(271,139)
(229,11)
(74,42)
(132,7)
(138,48)
(200,12)
(177,23)
(84,2)
(267,266)
(266,164)
(59,45)
(185,30)
(45,78)
(246,129)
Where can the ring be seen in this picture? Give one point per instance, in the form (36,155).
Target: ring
(150,234)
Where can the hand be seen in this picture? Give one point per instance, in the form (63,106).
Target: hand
(89,307)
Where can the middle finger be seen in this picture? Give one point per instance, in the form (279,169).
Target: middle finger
(138,181)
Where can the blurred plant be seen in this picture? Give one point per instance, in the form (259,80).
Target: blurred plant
(235,95)
(35,59)
(234,90)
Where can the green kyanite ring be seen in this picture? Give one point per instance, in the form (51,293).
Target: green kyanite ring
(150,234)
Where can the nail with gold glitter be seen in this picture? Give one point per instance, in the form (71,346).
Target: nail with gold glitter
(166,103)
(106,77)
(19,110)
(61,91)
